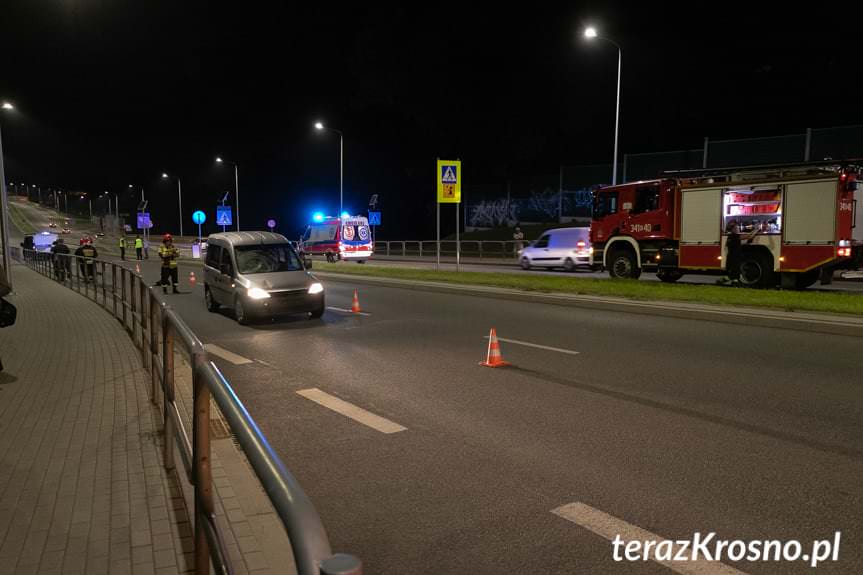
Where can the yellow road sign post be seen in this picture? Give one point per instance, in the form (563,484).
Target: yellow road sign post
(449,178)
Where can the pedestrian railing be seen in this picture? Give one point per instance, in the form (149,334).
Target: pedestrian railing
(157,330)
(480,249)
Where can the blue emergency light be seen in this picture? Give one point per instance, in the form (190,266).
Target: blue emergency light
(318,216)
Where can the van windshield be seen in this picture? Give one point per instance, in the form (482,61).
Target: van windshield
(266,259)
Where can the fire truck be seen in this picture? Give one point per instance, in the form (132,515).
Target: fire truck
(803,217)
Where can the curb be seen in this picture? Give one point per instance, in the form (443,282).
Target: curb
(798,321)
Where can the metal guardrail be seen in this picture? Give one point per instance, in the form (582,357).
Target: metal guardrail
(482,249)
(156,330)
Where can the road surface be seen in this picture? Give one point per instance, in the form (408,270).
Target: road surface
(605,420)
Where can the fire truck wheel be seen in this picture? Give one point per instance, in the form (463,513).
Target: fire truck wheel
(669,276)
(756,270)
(525,264)
(623,265)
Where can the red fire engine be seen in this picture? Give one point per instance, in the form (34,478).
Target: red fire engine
(804,214)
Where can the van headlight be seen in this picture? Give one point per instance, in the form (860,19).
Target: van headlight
(257,293)
(315,288)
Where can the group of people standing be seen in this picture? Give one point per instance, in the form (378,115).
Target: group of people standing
(87,254)
(141,247)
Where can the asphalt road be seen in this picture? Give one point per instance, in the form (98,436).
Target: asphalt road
(673,426)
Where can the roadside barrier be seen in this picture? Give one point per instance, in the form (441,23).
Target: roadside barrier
(156,329)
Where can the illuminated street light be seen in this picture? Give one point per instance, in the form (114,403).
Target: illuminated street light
(319,126)
(179,198)
(236,185)
(590,33)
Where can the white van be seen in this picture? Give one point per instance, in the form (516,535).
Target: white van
(566,248)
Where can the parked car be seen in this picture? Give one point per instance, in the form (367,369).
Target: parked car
(259,274)
(567,248)
(66,231)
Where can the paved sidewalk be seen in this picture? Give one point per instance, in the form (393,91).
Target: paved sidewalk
(82,486)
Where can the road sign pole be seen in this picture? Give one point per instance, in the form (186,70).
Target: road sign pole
(437,205)
(457,242)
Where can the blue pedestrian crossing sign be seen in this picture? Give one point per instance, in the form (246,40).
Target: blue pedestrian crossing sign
(374,218)
(448,182)
(223,216)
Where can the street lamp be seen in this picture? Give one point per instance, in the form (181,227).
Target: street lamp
(179,198)
(219,160)
(590,33)
(4,209)
(319,126)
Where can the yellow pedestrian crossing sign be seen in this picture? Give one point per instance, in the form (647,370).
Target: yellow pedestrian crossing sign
(449,182)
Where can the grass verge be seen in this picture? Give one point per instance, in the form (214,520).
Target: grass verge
(815,301)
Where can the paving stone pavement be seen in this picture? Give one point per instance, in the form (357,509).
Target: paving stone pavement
(82,487)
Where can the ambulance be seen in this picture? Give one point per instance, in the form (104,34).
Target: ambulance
(347,238)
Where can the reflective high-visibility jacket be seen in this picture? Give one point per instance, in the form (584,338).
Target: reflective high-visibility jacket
(139,244)
(123,242)
(169,255)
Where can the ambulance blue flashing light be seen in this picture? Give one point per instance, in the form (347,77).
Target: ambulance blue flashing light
(345,215)
(318,216)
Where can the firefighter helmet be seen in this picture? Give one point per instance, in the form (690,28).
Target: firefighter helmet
(167,238)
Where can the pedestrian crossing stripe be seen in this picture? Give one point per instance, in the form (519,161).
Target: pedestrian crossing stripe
(449,175)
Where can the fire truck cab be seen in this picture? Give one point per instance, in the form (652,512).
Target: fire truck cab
(802,215)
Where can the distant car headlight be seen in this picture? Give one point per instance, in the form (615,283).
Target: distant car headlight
(257,293)
(316,288)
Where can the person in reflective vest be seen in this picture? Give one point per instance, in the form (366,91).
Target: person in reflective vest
(86,256)
(122,247)
(169,256)
(139,248)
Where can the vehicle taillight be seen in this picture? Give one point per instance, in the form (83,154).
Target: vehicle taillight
(580,244)
(843,177)
(844,252)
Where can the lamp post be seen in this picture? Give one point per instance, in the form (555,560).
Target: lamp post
(179,198)
(319,126)
(4,209)
(220,160)
(590,33)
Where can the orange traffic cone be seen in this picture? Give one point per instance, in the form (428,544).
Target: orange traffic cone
(494,359)
(137,269)
(192,279)
(355,306)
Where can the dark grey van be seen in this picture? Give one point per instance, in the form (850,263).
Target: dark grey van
(259,274)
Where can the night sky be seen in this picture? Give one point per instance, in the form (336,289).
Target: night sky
(113,93)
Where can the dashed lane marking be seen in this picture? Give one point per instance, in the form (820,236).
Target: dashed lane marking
(536,345)
(609,527)
(350,410)
(225,354)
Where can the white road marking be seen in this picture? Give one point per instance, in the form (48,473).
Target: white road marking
(343,310)
(536,345)
(225,354)
(352,411)
(609,527)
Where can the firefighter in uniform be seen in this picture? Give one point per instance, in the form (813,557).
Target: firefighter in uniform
(169,255)
(62,265)
(86,254)
(123,247)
